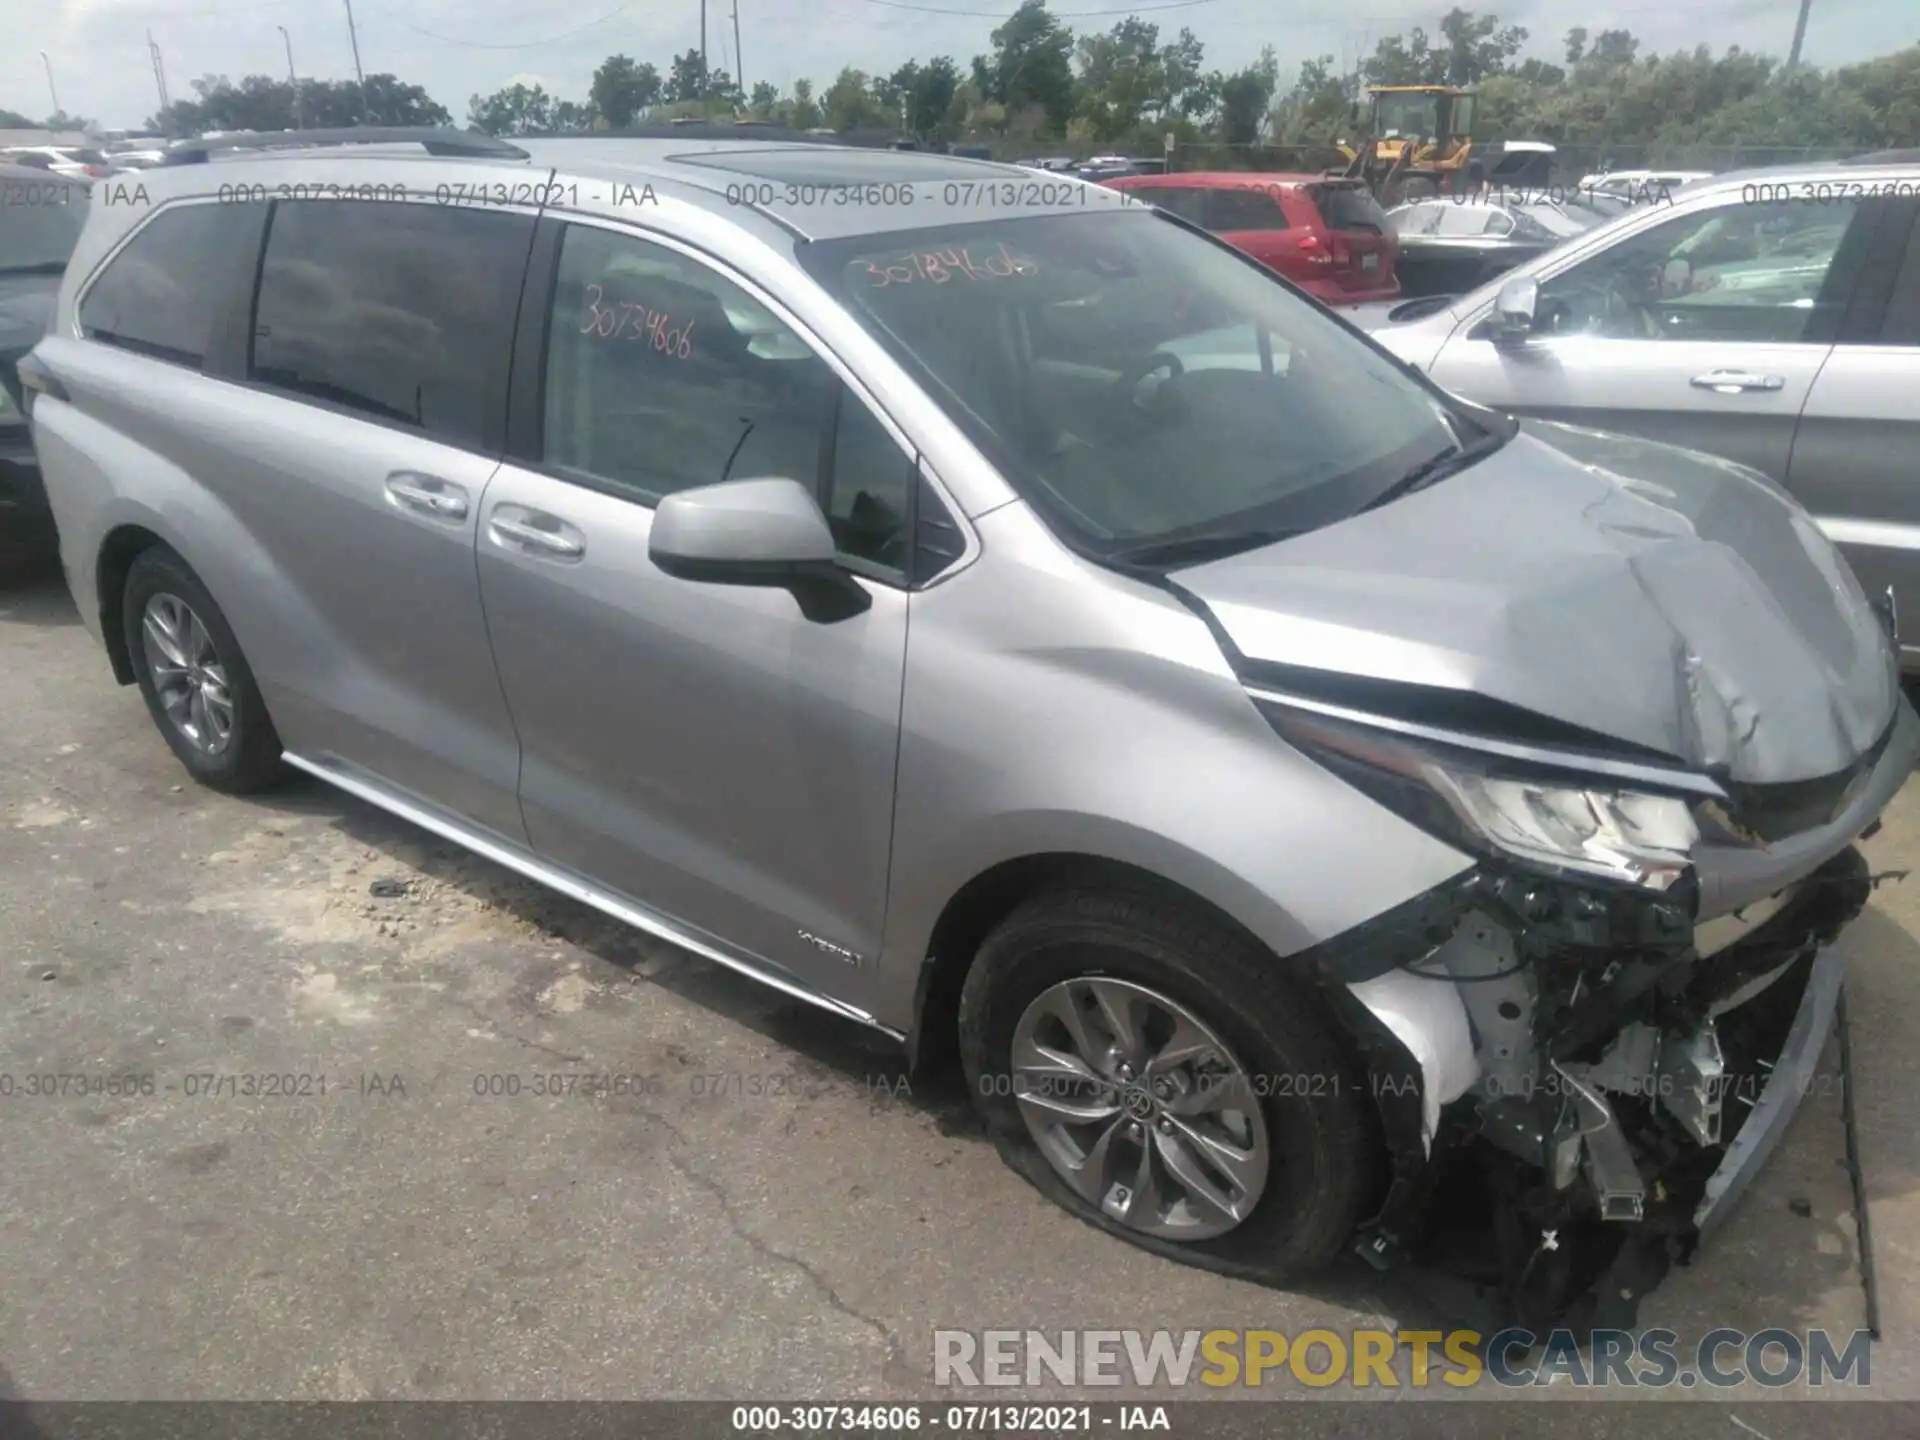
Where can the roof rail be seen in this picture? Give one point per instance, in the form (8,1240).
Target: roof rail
(693,128)
(435,140)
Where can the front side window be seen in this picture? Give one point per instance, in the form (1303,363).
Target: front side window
(1757,273)
(662,375)
(162,293)
(403,313)
(1137,382)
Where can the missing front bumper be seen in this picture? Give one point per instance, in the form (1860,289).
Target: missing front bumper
(1787,1083)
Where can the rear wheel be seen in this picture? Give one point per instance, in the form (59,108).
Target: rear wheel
(196,683)
(1149,1069)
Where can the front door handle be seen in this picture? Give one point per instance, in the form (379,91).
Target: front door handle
(427,494)
(1732,382)
(515,527)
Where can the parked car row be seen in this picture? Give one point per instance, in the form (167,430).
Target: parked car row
(1300,791)
(41,215)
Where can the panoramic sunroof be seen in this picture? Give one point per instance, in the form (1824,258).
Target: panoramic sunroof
(830,166)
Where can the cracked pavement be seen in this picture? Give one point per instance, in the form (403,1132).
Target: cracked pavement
(750,1200)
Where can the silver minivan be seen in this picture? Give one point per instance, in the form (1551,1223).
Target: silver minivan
(997,613)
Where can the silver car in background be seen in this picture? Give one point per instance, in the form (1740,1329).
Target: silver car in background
(1771,318)
(1007,618)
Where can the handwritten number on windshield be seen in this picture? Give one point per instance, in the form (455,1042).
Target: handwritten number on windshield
(938,267)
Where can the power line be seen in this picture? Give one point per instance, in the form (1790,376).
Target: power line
(517,45)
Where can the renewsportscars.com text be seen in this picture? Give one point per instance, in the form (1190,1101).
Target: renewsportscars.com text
(1390,1359)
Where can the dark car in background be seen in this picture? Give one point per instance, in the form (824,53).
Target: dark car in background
(40,218)
(1450,246)
(1328,236)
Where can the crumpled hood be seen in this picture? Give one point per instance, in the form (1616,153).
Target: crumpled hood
(1660,597)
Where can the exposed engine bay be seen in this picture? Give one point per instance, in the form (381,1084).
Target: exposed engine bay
(1622,1052)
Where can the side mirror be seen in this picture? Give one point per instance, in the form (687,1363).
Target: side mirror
(766,532)
(1513,312)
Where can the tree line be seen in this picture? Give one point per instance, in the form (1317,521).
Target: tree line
(1041,85)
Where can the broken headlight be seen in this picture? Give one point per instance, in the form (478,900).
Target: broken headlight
(1628,835)
(1549,819)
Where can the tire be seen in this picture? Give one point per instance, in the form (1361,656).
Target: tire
(1322,1144)
(244,756)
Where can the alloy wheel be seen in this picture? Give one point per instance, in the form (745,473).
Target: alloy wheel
(188,675)
(1140,1107)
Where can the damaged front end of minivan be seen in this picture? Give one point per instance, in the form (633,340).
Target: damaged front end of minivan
(1576,1072)
(1639,692)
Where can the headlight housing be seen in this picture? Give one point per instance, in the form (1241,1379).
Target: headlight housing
(1641,838)
(1546,818)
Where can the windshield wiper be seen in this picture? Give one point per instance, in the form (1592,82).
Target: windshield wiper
(1439,467)
(1197,548)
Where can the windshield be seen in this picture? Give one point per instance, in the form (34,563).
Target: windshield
(1137,381)
(1411,116)
(39,232)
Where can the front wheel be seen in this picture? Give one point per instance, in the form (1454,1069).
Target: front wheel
(1149,1069)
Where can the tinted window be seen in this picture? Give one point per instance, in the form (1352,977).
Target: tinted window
(1348,207)
(39,224)
(1902,323)
(162,292)
(401,312)
(662,375)
(1244,210)
(1135,381)
(1739,272)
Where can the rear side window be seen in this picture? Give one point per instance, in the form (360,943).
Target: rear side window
(1238,209)
(403,313)
(163,292)
(1348,207)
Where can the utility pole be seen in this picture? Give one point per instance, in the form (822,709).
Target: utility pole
(359,74)
(703,39)
(739,65)
(1799,37)
(292,79)
(50,90)
(159,70)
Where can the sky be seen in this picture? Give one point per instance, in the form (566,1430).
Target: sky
(97,49)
